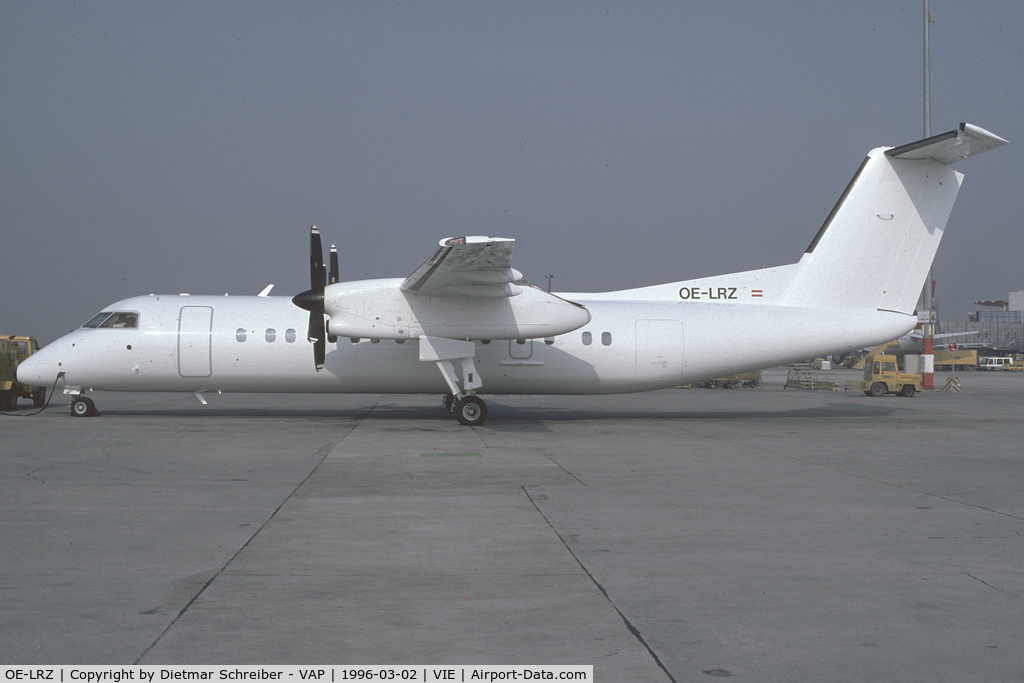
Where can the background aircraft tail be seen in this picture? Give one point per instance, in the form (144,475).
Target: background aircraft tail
(876,246)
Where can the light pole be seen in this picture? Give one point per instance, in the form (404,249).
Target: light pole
(927,331)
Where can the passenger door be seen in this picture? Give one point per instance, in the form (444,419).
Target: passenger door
(195,333)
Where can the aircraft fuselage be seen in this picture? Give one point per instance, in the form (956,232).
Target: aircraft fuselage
(258,344)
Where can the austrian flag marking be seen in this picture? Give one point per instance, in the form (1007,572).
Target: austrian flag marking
(757,293)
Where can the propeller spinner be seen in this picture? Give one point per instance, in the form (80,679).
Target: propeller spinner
(312,300)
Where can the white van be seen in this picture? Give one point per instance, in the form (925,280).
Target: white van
(995,363)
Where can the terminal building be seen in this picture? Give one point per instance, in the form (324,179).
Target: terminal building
(999,321)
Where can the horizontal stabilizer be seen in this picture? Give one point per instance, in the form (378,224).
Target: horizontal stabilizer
(950,147)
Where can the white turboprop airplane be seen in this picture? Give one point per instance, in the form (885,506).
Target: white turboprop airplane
(466,322)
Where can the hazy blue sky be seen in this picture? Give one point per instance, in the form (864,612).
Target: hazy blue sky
(187,147)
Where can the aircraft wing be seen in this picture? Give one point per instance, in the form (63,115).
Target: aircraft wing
(474,266)
(954,334)
(916,334)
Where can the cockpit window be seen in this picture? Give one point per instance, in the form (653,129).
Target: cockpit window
(123,320)
(100,317)
(119,320)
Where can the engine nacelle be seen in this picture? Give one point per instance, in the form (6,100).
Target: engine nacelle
(379,309)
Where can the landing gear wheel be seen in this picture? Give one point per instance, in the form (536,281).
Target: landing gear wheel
(83,407)
(449,402)
(908,390)
(877,389)
(39,398)
(470,411)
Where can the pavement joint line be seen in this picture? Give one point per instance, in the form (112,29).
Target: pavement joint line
(986,583)
(625,620)
(323,452)
(559,465)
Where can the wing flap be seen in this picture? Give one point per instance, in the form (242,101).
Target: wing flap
(474,265)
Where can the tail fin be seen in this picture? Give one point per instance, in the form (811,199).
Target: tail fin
(876,246)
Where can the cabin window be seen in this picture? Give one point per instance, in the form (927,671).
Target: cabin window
(240,334)
(289,335)
(606,338)
(588,339)
(271,334)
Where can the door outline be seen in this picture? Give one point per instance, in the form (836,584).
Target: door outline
(195,341)
(659,349)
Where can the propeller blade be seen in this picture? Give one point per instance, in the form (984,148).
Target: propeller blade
(317,334)
(333,277)
(315,331)
(316,260)
(312,300)
(319,351)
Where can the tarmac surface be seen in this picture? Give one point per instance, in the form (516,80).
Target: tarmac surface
(756,534)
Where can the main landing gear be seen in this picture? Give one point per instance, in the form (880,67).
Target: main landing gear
(462,402)
(469,410)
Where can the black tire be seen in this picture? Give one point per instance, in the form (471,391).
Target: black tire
(470,411)
(449,401)
(877,389)
(908,390)
(83,407)
(39,398)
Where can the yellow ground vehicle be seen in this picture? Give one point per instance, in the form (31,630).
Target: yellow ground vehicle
(882,376)
(744,379)
(8,362)
(965,359)
(22,347)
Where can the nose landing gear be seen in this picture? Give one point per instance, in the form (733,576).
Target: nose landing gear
(83,406)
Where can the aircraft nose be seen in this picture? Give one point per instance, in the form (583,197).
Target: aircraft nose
(39,369)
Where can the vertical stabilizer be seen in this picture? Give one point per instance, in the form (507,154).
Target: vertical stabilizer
(876,246)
